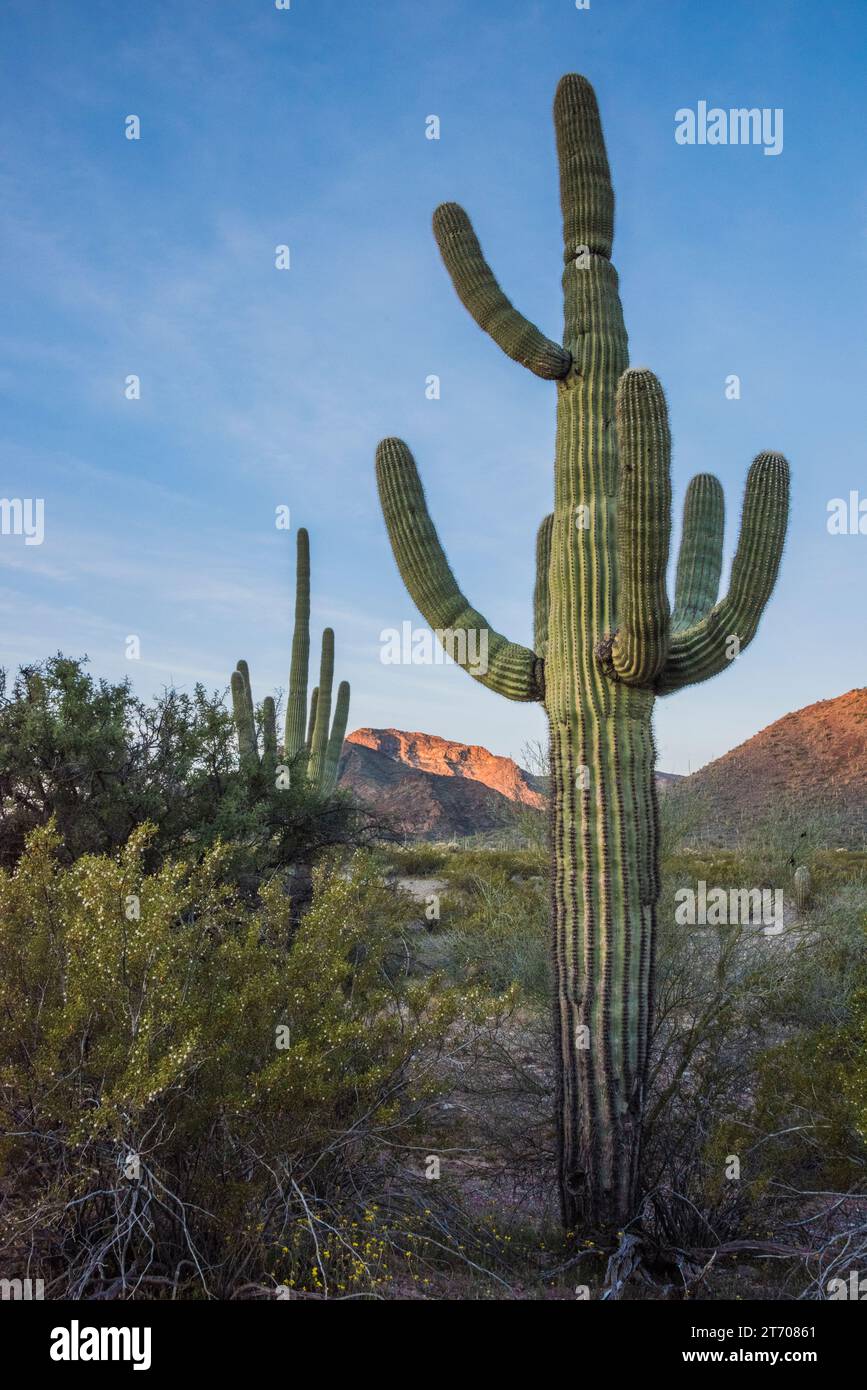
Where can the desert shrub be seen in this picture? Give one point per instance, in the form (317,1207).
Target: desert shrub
(460,864)
(417,861)
(803,1121)
(98,761)
(801,1126)
(497,928)
(757,1051)
(186,1079)
(781,839)
(854,1081)
(462,871)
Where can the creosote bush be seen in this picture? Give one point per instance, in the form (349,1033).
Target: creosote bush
(759,1048)
(184,1079)
(498,931)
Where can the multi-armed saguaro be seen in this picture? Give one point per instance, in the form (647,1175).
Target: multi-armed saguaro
(605,645)
(309,747)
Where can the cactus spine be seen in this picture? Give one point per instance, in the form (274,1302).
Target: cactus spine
(311,746)
(605,644)
(803,888)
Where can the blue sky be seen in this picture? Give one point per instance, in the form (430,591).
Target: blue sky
(263,387)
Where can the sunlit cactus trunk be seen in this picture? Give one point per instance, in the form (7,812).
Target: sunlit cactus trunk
(605,644)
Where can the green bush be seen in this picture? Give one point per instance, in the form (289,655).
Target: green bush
(757,1049)
(98,761)
(497,928)
(417,861)
(242,1070)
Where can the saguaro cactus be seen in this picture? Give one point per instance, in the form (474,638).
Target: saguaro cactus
(244,712)
(316,754)
(803,888)
(605,645)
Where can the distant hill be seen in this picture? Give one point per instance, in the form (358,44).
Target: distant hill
(434,788)
(814,761)
(429,753)
(417,804)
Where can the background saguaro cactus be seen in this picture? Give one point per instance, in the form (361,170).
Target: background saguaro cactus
(312,745)
(803,888)
(605,645)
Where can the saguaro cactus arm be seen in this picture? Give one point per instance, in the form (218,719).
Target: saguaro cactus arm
(707,647)
(323,708)
(506,667)
(643,528)
(314,700)
(335,741)
(245,723)
(479,292)
(296,703)
(269,732)
(699,559)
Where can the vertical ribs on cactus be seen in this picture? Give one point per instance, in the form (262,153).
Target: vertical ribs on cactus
(312,742)
(605,645)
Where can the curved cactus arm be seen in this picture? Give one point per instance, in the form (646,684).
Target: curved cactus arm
(710,645)
(316,767)
(699,559)
(335,741)
(296,702)
(314,699)
(541,592)
(503,666)
(479,292)
(640,644)
(245,723)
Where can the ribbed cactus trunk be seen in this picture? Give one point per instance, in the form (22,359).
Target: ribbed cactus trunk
(604,891)
(601,769)
(605,645)
(604,812)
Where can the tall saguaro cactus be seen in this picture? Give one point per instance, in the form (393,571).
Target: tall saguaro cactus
(316,753)
(605,645)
